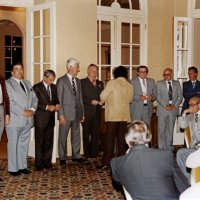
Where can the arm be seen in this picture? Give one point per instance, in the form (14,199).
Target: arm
(179,94)
(106,92)
(188,92)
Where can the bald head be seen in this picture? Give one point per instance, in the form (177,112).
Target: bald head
(194,104)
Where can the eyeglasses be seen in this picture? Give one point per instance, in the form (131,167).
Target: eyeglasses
(166,74)
(193,104)
(142,72)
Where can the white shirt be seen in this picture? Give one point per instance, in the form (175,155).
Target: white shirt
(144,88)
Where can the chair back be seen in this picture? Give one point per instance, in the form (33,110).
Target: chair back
(187,137)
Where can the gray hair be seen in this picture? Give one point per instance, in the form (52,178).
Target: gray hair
(138,133)
(71,62)
(49,72)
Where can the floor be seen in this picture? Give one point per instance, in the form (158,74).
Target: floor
(75,182)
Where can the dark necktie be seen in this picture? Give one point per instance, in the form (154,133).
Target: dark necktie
(22,86)
(73,86)
(196,118)
(48,92)
(170,92)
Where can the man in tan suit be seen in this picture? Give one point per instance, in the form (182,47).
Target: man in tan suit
(117,96)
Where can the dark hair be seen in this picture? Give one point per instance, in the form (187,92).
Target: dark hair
(142,67)
(14,64)
(193,68)
(120,71)
(93,65)
(49,72)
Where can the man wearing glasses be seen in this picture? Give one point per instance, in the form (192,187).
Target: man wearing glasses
(169,97)
(144,94)
(190,118)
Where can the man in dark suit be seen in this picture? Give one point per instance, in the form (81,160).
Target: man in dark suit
(44,119)
(191,88)
(169,97)
(91,89)
(147,174)
(23,103)
(4,107)
(71,113)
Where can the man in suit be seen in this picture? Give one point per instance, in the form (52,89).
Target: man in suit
(44,120)
(117,97)
(190,118)
(4,107)
(71,113)
(169,97)
(147,174)
(191,88)
(91,88)
(23,103)
(144,94)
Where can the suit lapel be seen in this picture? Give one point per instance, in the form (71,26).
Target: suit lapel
(18,87)
(69,84)
(139,85)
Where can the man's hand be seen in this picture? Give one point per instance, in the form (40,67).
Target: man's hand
(82,120)
(28,113)
(51,108)
(94,102)
(186,111)
(58,107)
(62,120)
(142,97)
(7,119)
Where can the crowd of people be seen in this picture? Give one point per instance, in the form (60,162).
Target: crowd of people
(141,170)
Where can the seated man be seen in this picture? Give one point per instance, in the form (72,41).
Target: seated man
(191,119)
(147,174)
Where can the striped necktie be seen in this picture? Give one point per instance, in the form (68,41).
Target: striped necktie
(73,86)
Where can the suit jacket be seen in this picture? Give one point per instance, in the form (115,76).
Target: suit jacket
(189,92)
(6,102)
(189,121)
(42,116)
(71,105)
(90,93)
(163,98)
(137,104)
(117,96)
(149,174)
(19,102)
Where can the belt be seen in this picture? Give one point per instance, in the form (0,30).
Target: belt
(145,104)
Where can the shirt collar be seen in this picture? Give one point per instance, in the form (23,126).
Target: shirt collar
(17,79)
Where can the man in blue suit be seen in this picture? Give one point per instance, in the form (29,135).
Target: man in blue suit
(191,88)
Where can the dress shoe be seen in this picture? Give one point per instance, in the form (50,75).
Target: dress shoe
(40,168)
(15,173)
(79,160)
(1,179)
(103,166)
(25,171)
(62,162)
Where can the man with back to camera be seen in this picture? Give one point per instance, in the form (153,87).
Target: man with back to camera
(4,107)
(144,94)
(44,120)
(191,87)
(190,118)
(23,103)
(169,97)
(71,113)
(91,88)
(146,173)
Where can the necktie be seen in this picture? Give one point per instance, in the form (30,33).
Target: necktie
(143,82)
(193,84)
(170,92)
(73,86)
(22,86)
(48,91)
(196,118)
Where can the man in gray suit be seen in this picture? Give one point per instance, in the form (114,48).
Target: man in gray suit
(71,113)
(23,103)
(169,97)
(144,94)
(190,118)
(147,174)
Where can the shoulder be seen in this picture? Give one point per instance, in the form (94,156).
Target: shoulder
(151,80)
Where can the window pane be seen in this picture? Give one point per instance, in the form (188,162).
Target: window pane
(136,55)
(8,40)
(134,72)
(125,55)
(124,3)
(8,64)
(105,31)
(136,33)
(36,73)
(105,74)
(125,33)
(106,2)
(46,66)
(17,41)
(105,54)
(46,22)
(36,23)
(16,54)
(197,4)
(46,49)
(36,50)
(7,51)
(135,4)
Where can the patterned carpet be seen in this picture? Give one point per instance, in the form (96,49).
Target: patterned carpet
(75,182)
